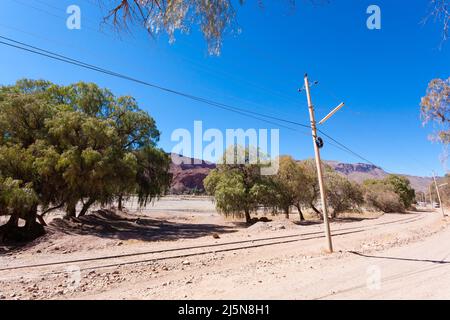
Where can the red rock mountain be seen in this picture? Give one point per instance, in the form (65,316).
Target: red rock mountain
(188,176)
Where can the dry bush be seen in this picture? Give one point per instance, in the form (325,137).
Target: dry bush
(381,197)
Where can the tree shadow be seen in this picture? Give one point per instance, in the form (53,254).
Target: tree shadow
(352,219)
(308,222)
(423,210)
(336,219)
(399,259)
(108,224)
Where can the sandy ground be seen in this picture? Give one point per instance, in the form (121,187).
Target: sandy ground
(180,248)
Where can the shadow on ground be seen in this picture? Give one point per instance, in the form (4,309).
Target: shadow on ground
(398,258)
(108,224)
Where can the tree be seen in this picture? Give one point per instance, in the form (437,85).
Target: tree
(381,196)
(435,107)
(18,200)
(342,194)
(77,144)
(440,11)
(231,194)
(402,187)
(290,186)
(238,188)
(153,177)
(213,17)
(308,189)
(332,182)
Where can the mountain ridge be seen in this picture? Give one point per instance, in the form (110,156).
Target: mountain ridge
(188,174)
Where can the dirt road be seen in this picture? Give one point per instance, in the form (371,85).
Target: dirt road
(394,256)
(418,270)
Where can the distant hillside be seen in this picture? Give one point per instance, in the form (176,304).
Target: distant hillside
(361,171)
(188,177)
(358,171)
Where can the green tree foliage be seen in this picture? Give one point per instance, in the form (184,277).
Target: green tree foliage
(291,185)
(152,176)
(402,187)
(311,193)
(77,144)
(239,189)
(383,189)
(18,200)
(342,194)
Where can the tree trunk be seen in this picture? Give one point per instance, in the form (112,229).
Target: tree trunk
(86,207)
(13,220)
(248,219)
(8,230)
(300,213)
(32,229)
(71,210)
(316,210)
(41,220)
(286,212)
(120,205)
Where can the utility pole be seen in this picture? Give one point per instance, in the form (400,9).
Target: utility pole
(438,194)
(319,166)
(431,197)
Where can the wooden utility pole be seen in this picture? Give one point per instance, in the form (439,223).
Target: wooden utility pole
(438,194)
(431,197)
(319,166)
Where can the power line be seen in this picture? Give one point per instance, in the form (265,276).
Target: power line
(59,43)
(251,114)
(279,94)
(50,40)
(261,88)
(62,58)
(344,147)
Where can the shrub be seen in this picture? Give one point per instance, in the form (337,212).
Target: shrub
(402,187)
(380,196)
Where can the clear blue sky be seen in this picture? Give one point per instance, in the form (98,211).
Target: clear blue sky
(380,74)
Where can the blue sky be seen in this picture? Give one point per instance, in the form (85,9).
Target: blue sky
(380,74)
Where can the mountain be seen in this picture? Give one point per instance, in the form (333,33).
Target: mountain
(188,176)
(361,171)
(358,171)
